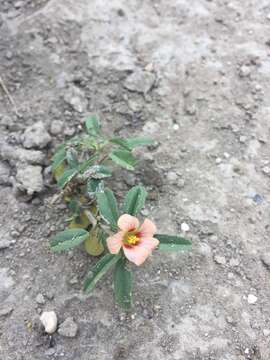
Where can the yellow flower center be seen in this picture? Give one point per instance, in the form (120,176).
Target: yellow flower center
(131,239)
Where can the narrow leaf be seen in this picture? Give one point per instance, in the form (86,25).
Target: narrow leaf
(134,200)
(98,172)
(123,158)
(68,239)
(120,142)
(92,125)
(107,206)
(59,157)
(67,176)
(93,186)
(172,243)
(99,270)
(72,158)
(122,285)
(139,141)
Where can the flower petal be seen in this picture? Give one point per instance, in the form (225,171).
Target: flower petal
(127,222)
(115,242)
(136,254)
(149,243)
(148,229)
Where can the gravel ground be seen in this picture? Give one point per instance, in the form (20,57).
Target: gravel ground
(194,75)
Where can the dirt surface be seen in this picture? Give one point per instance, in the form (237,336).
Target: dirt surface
(194,75)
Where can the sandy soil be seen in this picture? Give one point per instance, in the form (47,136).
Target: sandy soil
(194,75)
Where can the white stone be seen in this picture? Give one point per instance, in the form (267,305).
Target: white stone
(29,178)
(185,227)
(49,321)
(220,259)
(252,299)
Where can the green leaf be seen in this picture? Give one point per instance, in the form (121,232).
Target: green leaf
(92,125)
(67,176)
(108,208)
(172,243)
(59,157)
(138,141)
(75,207)
(98,172)
(120,142)
(123,158)
(99,270)
(72,158)
(134,200)
(68,239)
(84,166)
(94,186)
(122,285)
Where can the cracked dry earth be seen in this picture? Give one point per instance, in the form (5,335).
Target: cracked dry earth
(194,75)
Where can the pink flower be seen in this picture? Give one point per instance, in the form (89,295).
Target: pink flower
(137,241)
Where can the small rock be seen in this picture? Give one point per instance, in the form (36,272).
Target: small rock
(252,299)
(29,179)
(181,183)
(68,328)
(18,4)
(5,311)
(185,227)
(4,174)
(258,199)
(49,321)
(4,244)
(9,55)
(40,299)
(242,139)
(56,127)
(218,160)
(266,170)
(13,154)
(76,99)
(244,71)
(265,258)
(221,260)
(36,136)
(230,320)
(234,262)
(140,81)
(172,177)
(266,332)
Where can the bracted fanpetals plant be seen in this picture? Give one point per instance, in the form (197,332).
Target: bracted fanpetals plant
(80,167)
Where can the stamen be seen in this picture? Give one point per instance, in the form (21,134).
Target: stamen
(131,239)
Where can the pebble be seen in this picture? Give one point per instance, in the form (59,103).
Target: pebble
(172,177)
(218,160)
(5,311)
(185,227)
(242,139)
(220,259)
(140,81)
(252,299)
(36,136)
(4,174)
(68,328)
(40,299)
(56,127)
(234,262)
(49,321)
(76,99)
(265,258)
(266,332)
(4,244)
(244,71)
(29,179)
(9,55)
(266,170)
